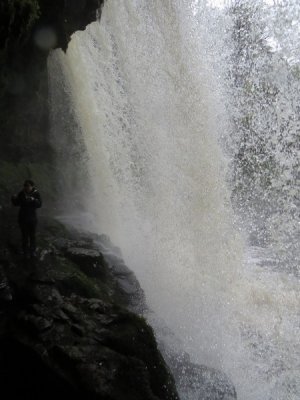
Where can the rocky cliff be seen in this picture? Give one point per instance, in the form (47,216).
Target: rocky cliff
(66,325)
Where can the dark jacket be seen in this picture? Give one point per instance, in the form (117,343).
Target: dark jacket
(28,203)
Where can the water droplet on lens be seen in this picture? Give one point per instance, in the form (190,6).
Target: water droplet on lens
(45,38)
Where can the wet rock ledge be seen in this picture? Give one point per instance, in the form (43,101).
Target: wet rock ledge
(67,326)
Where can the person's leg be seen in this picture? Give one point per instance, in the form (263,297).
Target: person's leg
(25,238)
(32,245)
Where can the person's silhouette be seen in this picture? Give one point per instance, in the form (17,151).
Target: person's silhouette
(28,200)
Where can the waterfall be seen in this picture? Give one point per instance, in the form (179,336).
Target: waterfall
(143,91)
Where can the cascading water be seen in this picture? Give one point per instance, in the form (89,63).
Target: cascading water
(144,92)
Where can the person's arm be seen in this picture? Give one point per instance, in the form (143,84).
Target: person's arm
(16,200)
(38,200)
(35,200)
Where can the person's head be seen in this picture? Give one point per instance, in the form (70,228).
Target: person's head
(28,185)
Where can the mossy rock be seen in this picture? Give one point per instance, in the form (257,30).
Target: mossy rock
(75,281)
(133,337)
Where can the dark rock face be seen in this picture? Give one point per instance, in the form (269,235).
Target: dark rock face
(5,290)
(64,328)
(28,30)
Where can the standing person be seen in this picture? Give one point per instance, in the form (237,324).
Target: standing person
(28,200)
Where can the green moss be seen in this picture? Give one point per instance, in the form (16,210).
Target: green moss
(76,281)
(54,228)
